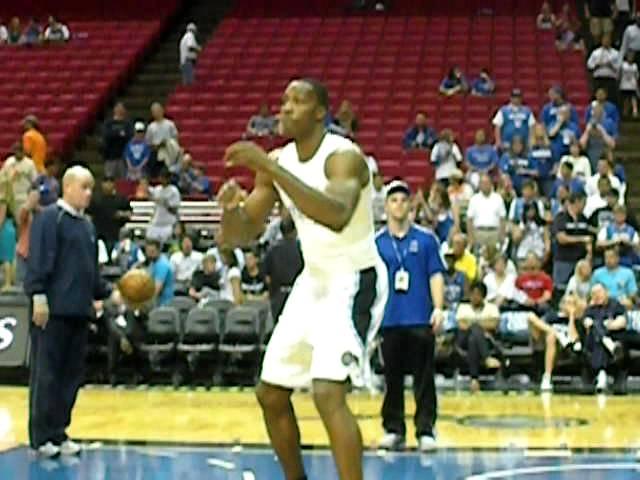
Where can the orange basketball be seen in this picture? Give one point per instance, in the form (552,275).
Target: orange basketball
(137,287)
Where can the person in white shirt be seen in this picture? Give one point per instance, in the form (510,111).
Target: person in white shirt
(56,32)
(629,85)
(631,38)
(581,163)
(230,278)
(4,34)
(599,199)
(604,62)
(604,170)
(500,283)
(185,262)
(167,199)
(189,49)
(446,156)
(486,216)
(162,136)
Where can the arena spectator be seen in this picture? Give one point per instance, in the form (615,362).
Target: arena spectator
(599,199)
(487,258)
(480,158)
(230,277)
(573,240)
(465,261)
(14,31)
(446,156)
(631,39)
(603,170)
(486,216)
(420,135)
(545,20)
(563,132)
(629,85)
(504,188)
(345,122)
(185,262)
(436,212)
(47,183)
(580,164)
(56,32)
(4,33)
(599,13)
(557,100)
(610,110)
(24,219)
(459,191)
(484,85)
(32,34)
(517,165)
(500,283)
(511,120)
(623,16)
(7,242)
(476,320)
(117,132)
(579,285)
(109,212)
(137,153)
(454,83)
(568,30)
(127,253)
(604,63)
(263,123)
(191,181)
(205,282)
(621,235)
(17,176)
(567,181)
(599,137)
(535,285)
(33,142)
(253,281)
(456,285)
(167,201)
(603,216)
(189,49)
(160,270)
(542,159)
(529,196)
(162,136)
(379,195)
(142,190)
(531,235)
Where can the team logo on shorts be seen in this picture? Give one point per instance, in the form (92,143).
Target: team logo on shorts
(348,358)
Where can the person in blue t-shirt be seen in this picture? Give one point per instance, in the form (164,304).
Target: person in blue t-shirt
(557,100)
(160,270)
(619,280)
(454,83)
(567,181)
(563,133)
(137,153)
(481,157)
(610,110)
(542,160)
(483,86)
(47,184)
(413,315)
(513,119)
(517,165)
(620,234)
(456,288)
(420,135)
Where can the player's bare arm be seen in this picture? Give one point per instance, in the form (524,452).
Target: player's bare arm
(346,170)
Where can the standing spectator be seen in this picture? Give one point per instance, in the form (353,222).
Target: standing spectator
(573,240)
(542,159)
(621,235)
(160,270)
(17,176)
(631,39)
(476,320)
(167,201)
(480,158)
(599,13)
(629,85)
(412,317)
(545,20)
(604,63)
(529,196)
(161,134)
(115,137)
(137,154)
(516,164)
(599,137)
(603,170)
(610,110)
(4,34)
(14,31)
(484,85)
(580,164)
(603,216)
(511,120)
(185,262)
(109,211)
(535,285)
(253,281)
(486,216)
(500,283)
(47,183)
(420,135)
(445,156)
(33,142)
(437,213)
(189,50)
(24,221)
(205,282)
(345,122)
(599,199)
(282,265)
(263,123)
(56,32)
(563,132)
(550,110)
(459,191)
(623,16)
(32,34)
(454,83)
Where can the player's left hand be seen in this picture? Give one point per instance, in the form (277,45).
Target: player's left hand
(247,154)
(437,319)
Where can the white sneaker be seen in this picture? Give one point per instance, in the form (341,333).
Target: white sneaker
(69,447)
(426,443)
(392,441)
(546,385)
(601,382)
(48,450)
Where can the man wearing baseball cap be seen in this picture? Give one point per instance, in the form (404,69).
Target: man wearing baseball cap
(137,153)
(513,119)
(412,316)
(189,49)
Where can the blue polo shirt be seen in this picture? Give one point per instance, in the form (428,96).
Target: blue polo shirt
(418,252)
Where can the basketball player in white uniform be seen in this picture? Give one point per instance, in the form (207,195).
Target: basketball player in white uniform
(337,302)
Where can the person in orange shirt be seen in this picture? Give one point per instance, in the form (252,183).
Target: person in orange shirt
(34,143)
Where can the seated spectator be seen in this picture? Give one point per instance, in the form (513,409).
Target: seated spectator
(549,113)
(263,123)
(126,252)
(603,216)
(459,191)
(185,262)
(517,165)
(253,282)
(486,216)
(56,32)
(599,14)
(205,282)
(437,213)
(483,86)
(545,20)
(610,110)
(599,137)
(535,285)
(529,196)
(162,136)
(563,132)
(167,200)
(174,244)
(230,277)
(603,170)
(345,122)
(160,270)
(504,188)
(567,181)
(32,34)
(542,159)
(142,190)
(14,31)
(420,135)
(487,258)
(598,200)
(580,164)
(477,320)
(117,132)
(191,181)
(629,85)
(621,235)
(603,319)
(604,63)
(4,34)
(511,120)
(456,285)
(631,39)
(446,156)
(620,174)
(454,83)
(480,158)
(137,154)
(531,235)
(579,285)
(500,283)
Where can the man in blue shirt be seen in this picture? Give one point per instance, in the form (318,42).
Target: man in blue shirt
(563,132)
(160,270)
(421,135)
(137,154)
(412,316)
(619,281)
(610,110)
(481,157)
(549,114)
(513,119)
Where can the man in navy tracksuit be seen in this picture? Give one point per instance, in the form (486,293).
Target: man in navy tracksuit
(63,281)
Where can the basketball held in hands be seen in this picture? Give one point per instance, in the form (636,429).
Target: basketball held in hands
(137,287)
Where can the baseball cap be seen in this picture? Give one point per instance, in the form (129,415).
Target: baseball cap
(396,186)
(516,92)
(139,127)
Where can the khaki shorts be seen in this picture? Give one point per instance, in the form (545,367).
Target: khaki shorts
(600,25)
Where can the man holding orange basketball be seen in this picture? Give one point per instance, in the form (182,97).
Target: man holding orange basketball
(63,282)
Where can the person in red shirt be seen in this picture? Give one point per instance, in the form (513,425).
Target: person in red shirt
(535,287)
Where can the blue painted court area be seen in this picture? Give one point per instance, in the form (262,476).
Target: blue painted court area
(170,463)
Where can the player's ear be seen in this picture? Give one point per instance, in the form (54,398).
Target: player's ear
(321,113)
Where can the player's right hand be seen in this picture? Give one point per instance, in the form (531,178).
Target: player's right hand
(230,195)
(40,314)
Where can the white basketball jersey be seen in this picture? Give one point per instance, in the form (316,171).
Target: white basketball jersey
(324,250)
